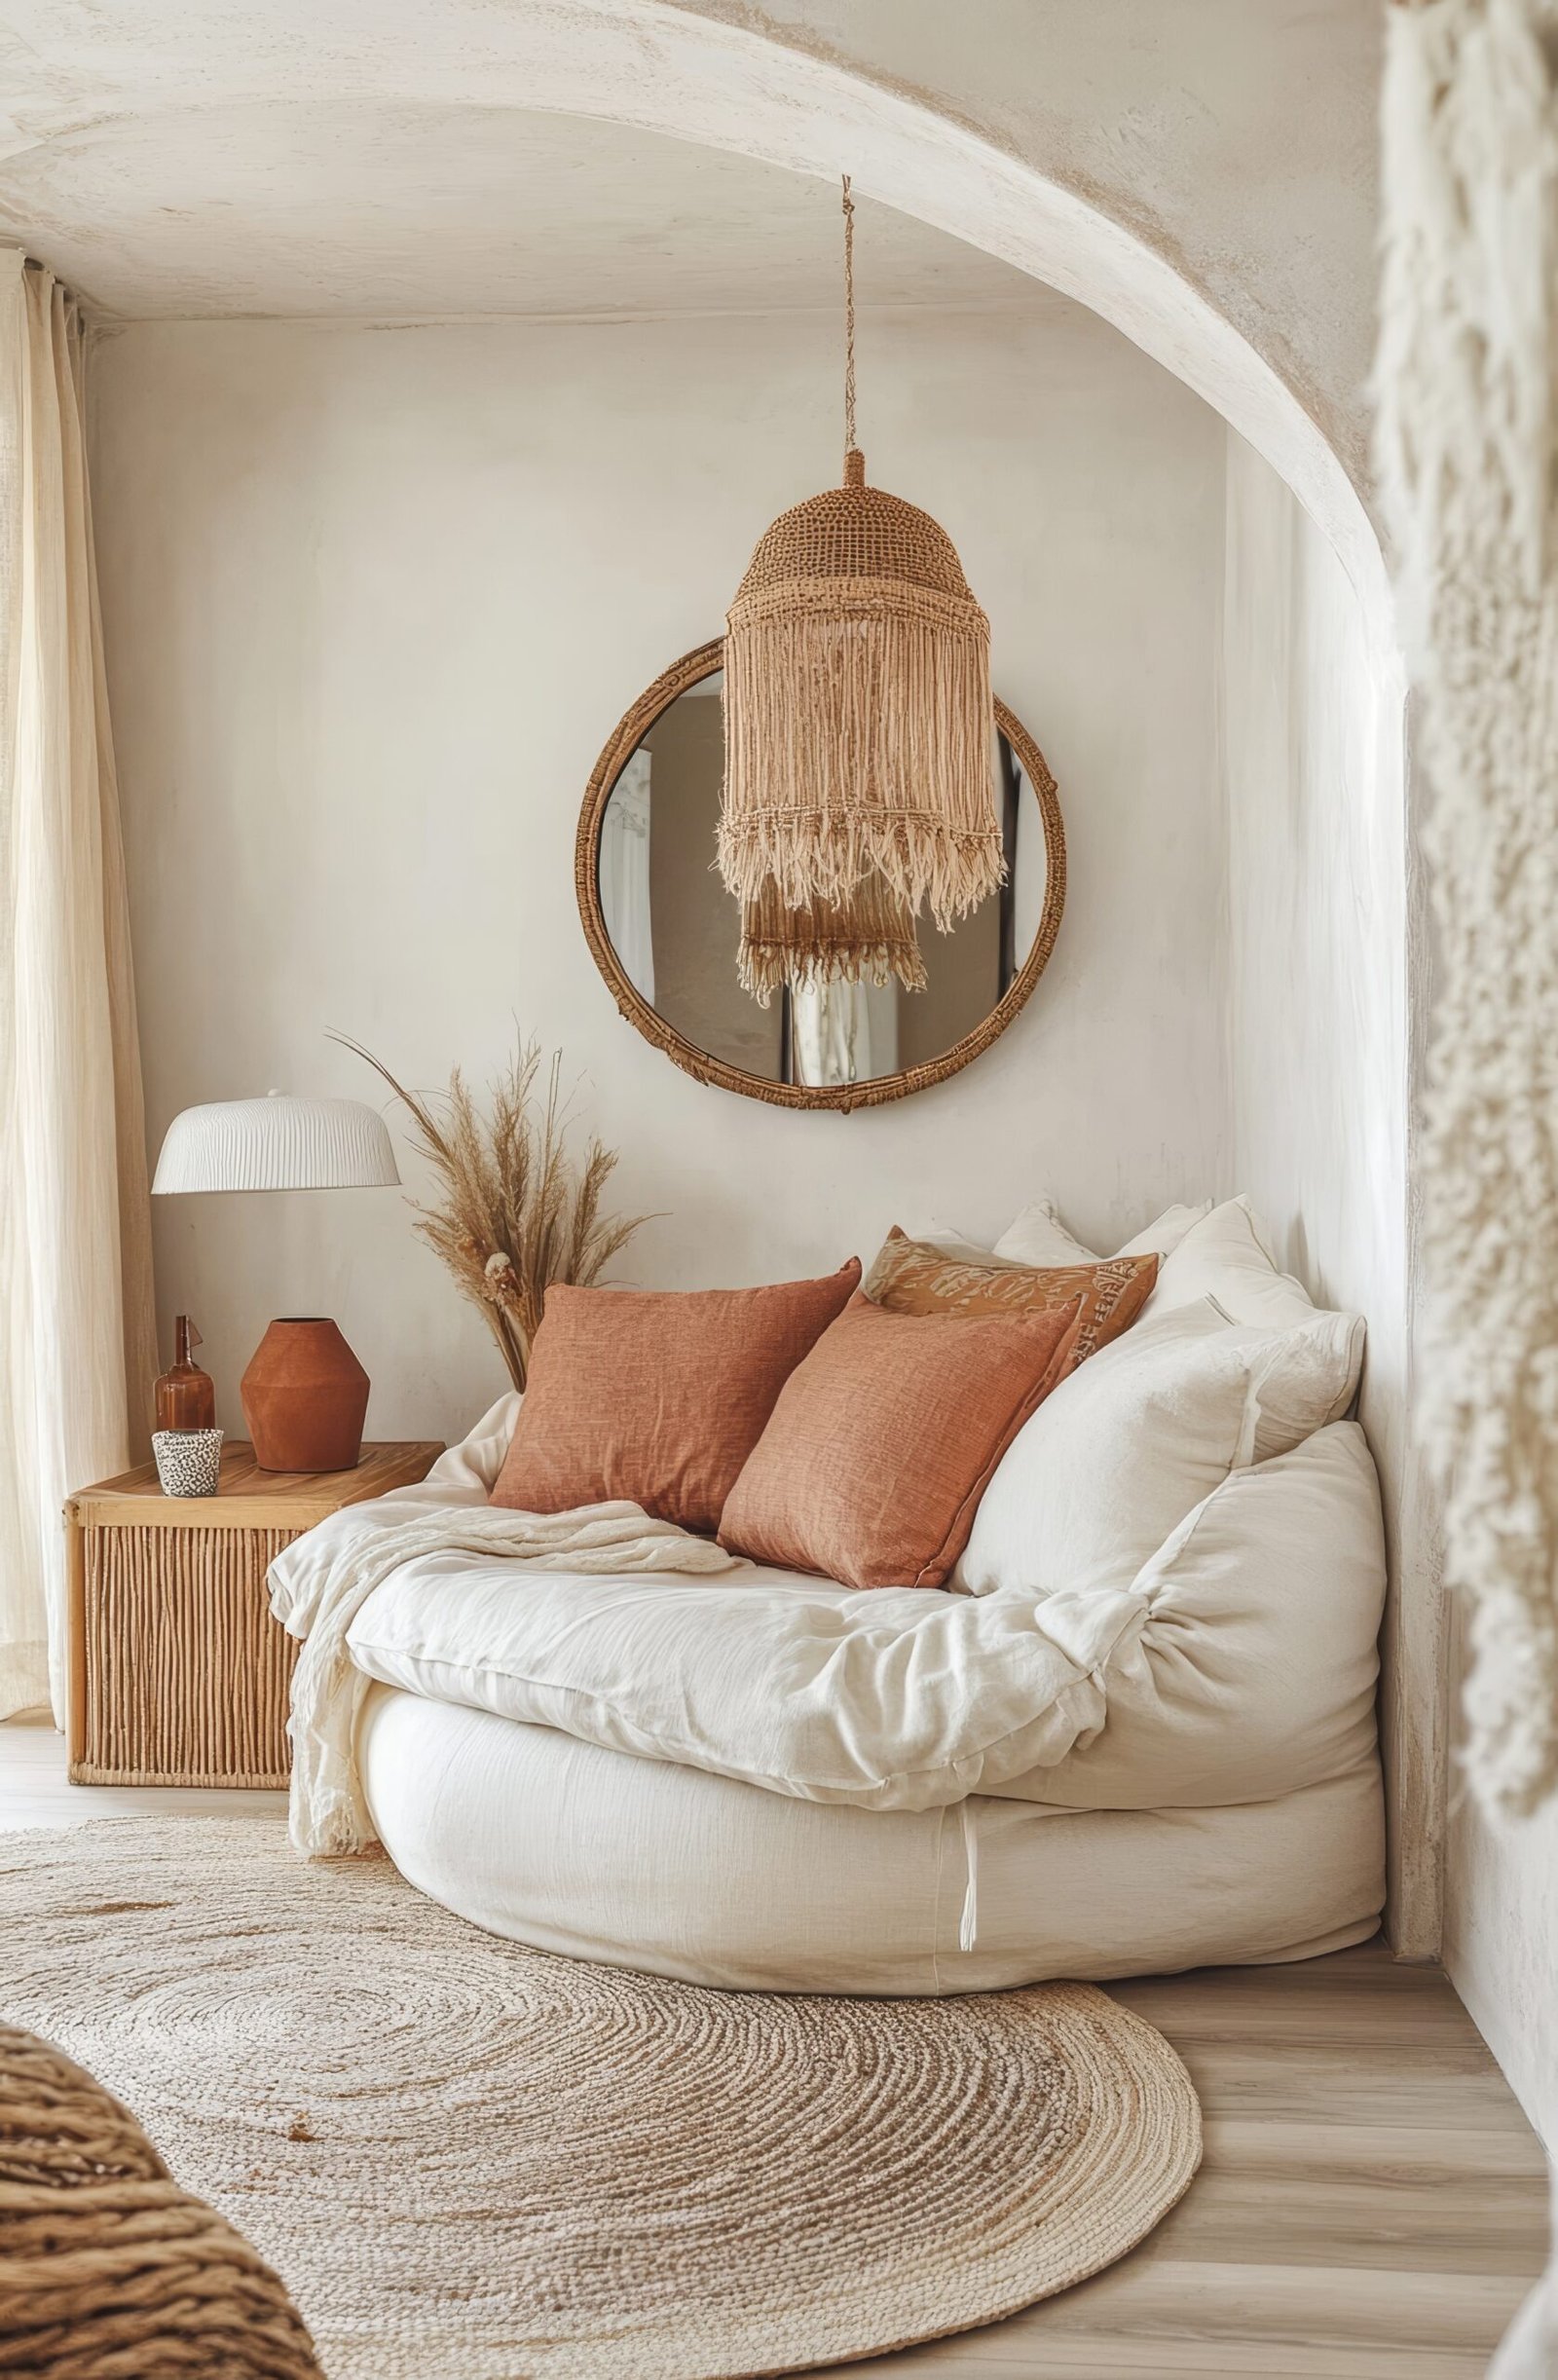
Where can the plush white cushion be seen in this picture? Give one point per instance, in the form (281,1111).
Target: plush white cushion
(1255,1672)
(1206,1251)
(1163,1237)
(1039,1236)
(1224,1257)
(1124,1449)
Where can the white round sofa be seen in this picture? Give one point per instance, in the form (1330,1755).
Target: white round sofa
(1137,1734)
(554,1762)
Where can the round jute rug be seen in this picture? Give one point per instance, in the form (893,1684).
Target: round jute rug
(473,2161)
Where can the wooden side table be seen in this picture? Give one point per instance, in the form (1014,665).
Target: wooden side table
(179,1673)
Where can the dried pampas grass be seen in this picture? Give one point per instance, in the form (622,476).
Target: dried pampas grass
(517,1210)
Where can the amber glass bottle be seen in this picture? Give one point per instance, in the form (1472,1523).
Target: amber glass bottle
(186,1396)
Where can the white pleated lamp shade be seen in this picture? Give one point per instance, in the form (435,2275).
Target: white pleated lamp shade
(276,1144)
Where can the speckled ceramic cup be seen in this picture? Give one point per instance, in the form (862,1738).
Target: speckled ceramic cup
(189,1461)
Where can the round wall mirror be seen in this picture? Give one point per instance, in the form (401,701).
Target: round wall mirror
(665,931)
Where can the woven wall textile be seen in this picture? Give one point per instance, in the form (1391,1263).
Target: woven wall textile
(869,936)
(1467,454)
(857,702)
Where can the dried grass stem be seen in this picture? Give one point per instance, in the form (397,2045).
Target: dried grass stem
(516,1210)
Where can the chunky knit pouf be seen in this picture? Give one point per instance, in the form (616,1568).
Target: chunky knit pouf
(107,2268)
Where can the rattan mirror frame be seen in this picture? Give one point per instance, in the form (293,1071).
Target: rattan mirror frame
(625,741)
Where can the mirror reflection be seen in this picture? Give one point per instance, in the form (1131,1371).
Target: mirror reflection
(676,930)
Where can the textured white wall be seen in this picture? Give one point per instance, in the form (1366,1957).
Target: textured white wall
(1312,761)
(374,600)
(153,148)
(1500,1935)
(1201,176)
(1239,141)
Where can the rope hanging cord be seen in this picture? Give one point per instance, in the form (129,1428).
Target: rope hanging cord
(852,454)
(859,720)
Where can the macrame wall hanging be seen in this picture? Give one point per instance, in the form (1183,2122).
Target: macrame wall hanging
(1467,454)
(858,728)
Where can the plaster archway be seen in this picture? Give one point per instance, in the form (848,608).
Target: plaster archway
(678,71)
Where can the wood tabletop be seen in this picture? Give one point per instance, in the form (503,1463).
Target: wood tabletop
(249,1498)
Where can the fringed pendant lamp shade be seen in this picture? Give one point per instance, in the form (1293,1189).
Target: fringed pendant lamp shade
(867,937)
(857,703)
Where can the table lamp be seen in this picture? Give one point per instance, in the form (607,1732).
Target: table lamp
(305,1394)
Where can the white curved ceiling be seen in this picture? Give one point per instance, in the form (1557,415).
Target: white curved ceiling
(142,130)
(389,210)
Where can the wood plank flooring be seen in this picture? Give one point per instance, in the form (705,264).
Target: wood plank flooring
(1372,2204)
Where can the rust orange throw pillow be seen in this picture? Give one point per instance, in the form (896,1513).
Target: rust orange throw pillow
(884,1439)
(658,1395)
(915,1277)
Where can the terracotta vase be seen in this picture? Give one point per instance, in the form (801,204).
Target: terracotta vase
(304,1398)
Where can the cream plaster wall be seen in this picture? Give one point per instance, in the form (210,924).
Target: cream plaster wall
(1311,748)
(1316,901)
(176,159)
(1237,140)
(374,599)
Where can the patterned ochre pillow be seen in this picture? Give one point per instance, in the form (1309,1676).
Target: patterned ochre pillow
(912,1276)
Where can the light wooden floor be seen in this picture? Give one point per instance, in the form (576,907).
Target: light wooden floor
(1372,2204)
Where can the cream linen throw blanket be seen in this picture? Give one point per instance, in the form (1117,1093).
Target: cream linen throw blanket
(319,1600)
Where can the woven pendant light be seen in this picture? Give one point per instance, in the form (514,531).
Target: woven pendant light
(867,936)
(857,701)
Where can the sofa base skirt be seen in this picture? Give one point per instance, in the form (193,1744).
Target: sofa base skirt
(533,1834)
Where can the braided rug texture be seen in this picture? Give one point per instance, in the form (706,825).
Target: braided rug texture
(469,2158)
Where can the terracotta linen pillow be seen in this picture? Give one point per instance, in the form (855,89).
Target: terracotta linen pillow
(658,1395)
(916,1277)
(883,1441)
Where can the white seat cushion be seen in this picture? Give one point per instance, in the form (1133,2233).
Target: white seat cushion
(892,1700)
(1237,1663)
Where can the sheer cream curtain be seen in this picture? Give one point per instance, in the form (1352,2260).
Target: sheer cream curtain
(77,1342)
